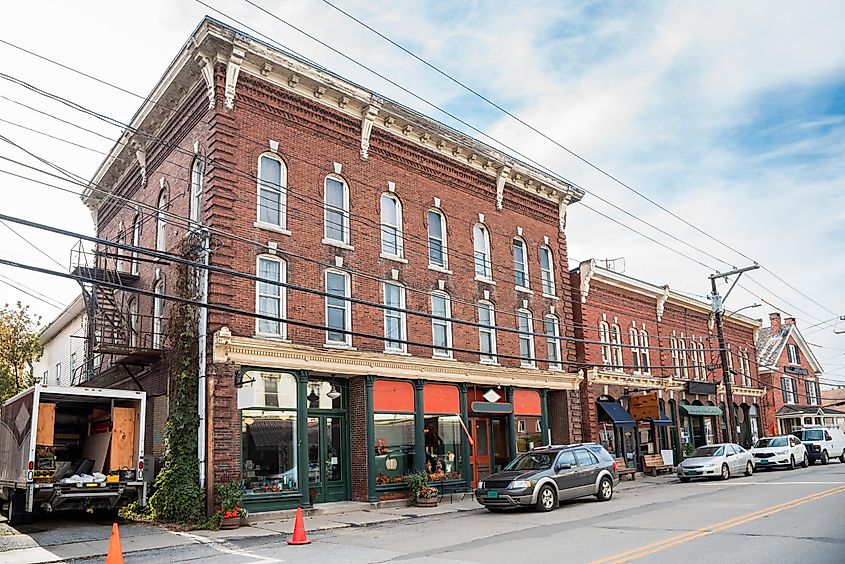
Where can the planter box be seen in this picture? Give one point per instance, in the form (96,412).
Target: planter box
(228,523)
(426,502)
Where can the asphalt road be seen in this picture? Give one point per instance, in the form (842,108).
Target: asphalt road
(779,516)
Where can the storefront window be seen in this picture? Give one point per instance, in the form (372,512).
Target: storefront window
(394,445)
(443,447)
(527,409)
(269,451)
(267,389)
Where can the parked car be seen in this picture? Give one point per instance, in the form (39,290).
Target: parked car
(784,450)
(823,443)
(545,476)
(716,461)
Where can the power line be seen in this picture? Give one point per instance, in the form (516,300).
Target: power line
(29,292)
(30,243)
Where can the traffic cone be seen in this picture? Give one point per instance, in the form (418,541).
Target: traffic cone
(115,555)
(299,530)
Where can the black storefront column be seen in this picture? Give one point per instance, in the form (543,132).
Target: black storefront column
(466,470)
(419,425)
(544,417)
(371,433)
(302,435)
(511,424)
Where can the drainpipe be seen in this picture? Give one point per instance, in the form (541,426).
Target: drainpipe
(202,329)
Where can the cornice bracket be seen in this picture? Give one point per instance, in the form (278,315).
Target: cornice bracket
(661,302)
(233,69)
(501,178)
(588,269)
(367,120)
(141,155)
(207,70)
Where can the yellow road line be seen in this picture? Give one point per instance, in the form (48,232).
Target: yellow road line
(658,546)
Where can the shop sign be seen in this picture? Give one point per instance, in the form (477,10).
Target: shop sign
(644,407)
(503,408)
(704,388)
(796,370)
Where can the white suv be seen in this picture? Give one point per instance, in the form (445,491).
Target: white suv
(823,443)
(785,450)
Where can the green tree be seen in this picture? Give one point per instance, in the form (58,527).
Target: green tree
(19,349)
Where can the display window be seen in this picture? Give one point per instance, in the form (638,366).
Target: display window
(527,408)
(269,451)
(442,430)
(394,447)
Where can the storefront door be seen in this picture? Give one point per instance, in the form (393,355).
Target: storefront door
(328,460)
(480,454)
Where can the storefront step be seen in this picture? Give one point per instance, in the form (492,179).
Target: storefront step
(330,508)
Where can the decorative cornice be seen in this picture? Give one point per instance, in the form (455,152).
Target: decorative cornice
(661,302)
(233,69)
(612,378)
(588,270)
(249,351)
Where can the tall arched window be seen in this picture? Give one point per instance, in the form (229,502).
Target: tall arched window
(696,369)
(133,322)
(437,247)
(547,271)
(395,329)
(487,332)
(272,191)
(161,223)
(616,347)
(552,330)
(702,361)
(441,326)
(336,210)
(121,238)
(634,337)
(481,246)
(269,297)
(520,263)
(338,308)
(158,314)
(604,337)
(391,226)
(682,350)
(197,172)
(136,242)
(645,356)
(525,326)
(676,361)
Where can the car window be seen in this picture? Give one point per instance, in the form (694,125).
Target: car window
(601,453)
(794,441)
(566,457)
(738,449)
(809,435)
(771,442)
(827,436)
(585,458)
(729,450)
(707,451)
(531,461)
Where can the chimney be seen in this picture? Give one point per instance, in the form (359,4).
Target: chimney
(774,323)
(789,321)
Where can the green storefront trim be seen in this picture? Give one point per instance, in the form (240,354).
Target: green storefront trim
(705,410)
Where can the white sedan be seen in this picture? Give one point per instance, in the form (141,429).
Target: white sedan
(784,451)
(716,461)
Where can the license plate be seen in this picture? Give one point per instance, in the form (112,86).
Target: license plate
(92,485)
(493,494)
(693,472)
(764,461)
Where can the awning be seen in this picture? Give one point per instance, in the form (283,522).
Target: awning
(702,409)
(663,421)
(617,413)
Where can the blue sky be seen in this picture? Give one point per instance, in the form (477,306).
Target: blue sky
(730,114)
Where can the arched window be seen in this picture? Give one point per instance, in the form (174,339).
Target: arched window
(133,322)
(702,360)
(634,337)
(338,308)
(547,271)
(604,337)
(520,263)
(730,367)
(616,346)
(395,330)
(121,238)
(696,369)
(161,223)
(158,314)
(481,246)
(525,326)
(682,349)
(272,191)
(269,297)
(676,361)
(391,226)
(437,247)
(552,330)
(441,326)
(197,172)
(487,333)
(645,356)
(336,208)
(136,242)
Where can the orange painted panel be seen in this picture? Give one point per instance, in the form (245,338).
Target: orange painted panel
(441,398)
(526,402)
(390,395)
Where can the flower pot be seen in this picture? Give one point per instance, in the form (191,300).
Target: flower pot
(426,502)
(230,522)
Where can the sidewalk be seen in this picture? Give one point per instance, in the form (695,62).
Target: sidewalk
(58,544)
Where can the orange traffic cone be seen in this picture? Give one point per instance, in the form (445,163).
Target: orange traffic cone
(115,555)
(299,530)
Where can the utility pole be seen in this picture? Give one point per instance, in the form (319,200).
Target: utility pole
(718,308)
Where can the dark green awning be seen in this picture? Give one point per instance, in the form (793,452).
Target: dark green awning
(706,410)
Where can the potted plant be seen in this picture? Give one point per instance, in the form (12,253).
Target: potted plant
(422,495)
(229,495)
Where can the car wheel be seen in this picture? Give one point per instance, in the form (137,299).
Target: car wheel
(546,498)
(605,489)
(749,468)
(806,461)
(726,472)
(842,457)
(791,462)
(495,509)
(14,515)
(684,480)
(824,457)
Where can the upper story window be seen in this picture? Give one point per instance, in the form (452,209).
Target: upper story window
(441,326)
(487,332)
(121,238)
(161,222)
(337,210)
(437,249)
(270,297)
(702,360)
(520,263)
(158,314)
(812,392)
(197,172)
(136,242)
(634,337)
(697,369)
(793,354)
(547,271)
(616,347)
(338,308)
(790,394)
(676,360)
(682,349)
(730,367)
(394,321)
(645,357)
(551,327)
(526,339)
(272,191)
(745,368)
(481,246)
(391,225)
(604,337)
(133,322)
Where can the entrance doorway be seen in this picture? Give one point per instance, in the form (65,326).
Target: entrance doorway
(491,446)
(328,460)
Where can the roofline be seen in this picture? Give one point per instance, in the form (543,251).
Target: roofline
(62,320)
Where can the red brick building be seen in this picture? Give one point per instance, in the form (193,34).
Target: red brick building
(638,338)
(412,288)
(791,373)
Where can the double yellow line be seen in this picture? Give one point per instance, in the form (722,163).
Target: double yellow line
(658,546)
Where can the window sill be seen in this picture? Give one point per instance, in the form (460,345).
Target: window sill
(443,357)
(529,366)
(393,258)
(550,296)
(340,346)
(436,268)
(338,244)
(485,280)
(397,352)
(271,227)
(272,337)
(524,290)
(489,362)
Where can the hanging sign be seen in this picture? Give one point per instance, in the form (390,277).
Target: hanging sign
(644,407)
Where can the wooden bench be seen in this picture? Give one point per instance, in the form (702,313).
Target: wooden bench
(653,464)
(623,470)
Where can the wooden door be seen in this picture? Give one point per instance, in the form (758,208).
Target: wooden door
(480,456)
